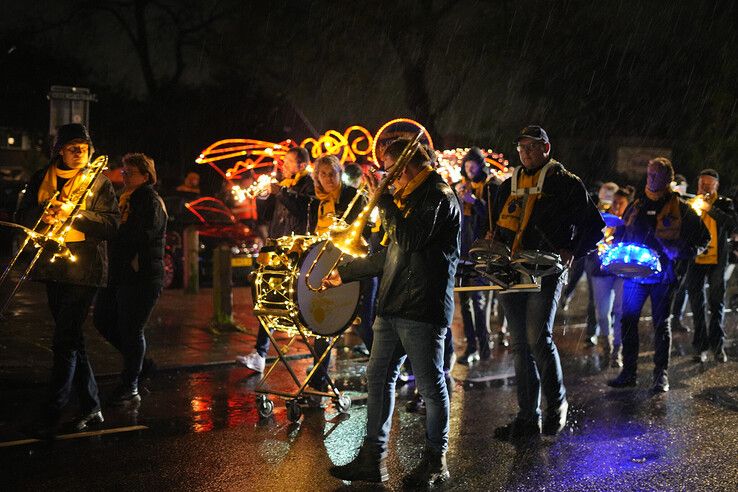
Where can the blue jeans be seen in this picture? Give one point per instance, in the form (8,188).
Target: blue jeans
(608,295)
(530,318)
(714,275)
(423,343)
(476,308)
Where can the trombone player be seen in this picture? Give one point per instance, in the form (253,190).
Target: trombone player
(415,305)
(71,286)
(718,215)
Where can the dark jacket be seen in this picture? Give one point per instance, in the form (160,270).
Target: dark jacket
(137,252)
(476,225)
(347,194)
(419,264)
(291,209)
(724,214)
(98,222)
(693,236)
(564,216)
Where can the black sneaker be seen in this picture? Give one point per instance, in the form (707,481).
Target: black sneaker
(93,417)
(416,405)
(468,358)
(518,429)
(660,382)
(125,396)
(624,380)
(431,471)
(700,357)
(556,419)
(368,466)
(721,356)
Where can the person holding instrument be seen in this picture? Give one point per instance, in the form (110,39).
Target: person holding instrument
(71,286)
(415,305)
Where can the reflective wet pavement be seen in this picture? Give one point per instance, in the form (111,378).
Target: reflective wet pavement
(203,432)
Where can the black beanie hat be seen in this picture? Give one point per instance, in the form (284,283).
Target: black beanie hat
(67,133)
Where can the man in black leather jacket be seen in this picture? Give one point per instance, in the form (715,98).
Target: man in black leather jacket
(71,286)
(415,305)
(718,215)
(541,207)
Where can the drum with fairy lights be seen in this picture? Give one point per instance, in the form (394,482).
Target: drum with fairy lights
(630,260)
(282,298)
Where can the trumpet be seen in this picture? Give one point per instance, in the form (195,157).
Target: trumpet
(43,235)
(350,240)
(700,202)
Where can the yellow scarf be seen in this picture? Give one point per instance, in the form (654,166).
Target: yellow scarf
(710,255)
(477,191)
(327,208)
(290,182)
(74,182)
(124,206)
(403,193)
(517,210)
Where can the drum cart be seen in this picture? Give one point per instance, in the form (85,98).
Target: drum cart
(283,302)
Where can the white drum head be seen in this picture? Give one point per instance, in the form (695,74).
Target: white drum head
(331,311)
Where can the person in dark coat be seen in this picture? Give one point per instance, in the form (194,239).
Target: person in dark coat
(136,272)
(718,215)
(415,307)
(71,285)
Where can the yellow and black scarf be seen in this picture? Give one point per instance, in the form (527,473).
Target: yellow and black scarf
(73,185)
(518,208)
(326,208)
(401,194)
(478,191)
(710,255)
(668,219)
(290,182)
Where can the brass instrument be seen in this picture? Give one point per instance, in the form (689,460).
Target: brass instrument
(698,202)
(350,240)
(43,235)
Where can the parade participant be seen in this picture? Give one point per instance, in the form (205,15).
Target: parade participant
(607,289)
(679,305)
(668,226)
(190,186)
(547,208)
(475,305)
(332,199)
(718,215)
(136,272)
(415,305)
(290,216)
(71,286)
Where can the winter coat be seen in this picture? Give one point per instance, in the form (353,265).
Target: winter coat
(291,208)
(419,264)
(98,222)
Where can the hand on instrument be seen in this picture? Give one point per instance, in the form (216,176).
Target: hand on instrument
(58,211)
(274,188)
(333,279)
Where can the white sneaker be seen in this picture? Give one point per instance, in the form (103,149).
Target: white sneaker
(253,361)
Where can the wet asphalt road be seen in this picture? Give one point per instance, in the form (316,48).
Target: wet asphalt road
(201,431)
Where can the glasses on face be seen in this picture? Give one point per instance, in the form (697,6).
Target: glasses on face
(129,172)
(77,149)
(528,147)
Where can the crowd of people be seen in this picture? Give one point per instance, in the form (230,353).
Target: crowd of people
(419,252)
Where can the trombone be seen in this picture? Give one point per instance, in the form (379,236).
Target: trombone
(43,235)
(350,240)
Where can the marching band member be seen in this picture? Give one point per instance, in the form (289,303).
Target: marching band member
(292,197)
(415,307)
(662,222)
(718,215)
(71,286)
(541,207)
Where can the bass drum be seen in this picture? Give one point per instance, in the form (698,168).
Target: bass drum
(329,312)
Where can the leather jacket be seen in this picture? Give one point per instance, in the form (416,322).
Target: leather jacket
(291,209)
(419,264)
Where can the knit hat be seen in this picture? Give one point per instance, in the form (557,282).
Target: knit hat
(69,133)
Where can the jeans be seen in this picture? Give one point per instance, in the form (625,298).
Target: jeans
(70,305)
(530,318)
(608,297)
(121,313)
(368,310)
(262,341)
(476,308)
(423,342)
(634,297)
(696,277)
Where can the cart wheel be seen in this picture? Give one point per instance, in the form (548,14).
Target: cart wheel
(343,403)
(264,406)
(294,412)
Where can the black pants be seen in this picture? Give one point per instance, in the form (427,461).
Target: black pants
(69,306)
(634,297)
(697,275)
(121,313)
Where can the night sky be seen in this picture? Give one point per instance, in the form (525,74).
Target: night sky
(474,72)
